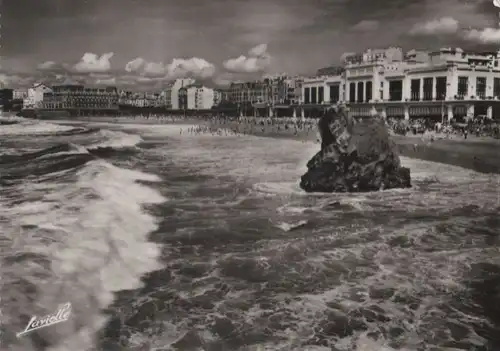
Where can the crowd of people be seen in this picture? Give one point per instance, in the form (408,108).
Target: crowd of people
(479,127)
(224,125)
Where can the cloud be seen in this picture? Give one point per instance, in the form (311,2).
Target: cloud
(16,80)
(193,67)
(106,81)
(70,80)
(96,70)
(90,63)
(221,82)
(143,67)
(258,50)
(47,65)
(366,26)
(483,36)
(135,65)
(443,25)
(258,60)
(155,69)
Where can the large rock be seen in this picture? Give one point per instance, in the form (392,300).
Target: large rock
(354,156)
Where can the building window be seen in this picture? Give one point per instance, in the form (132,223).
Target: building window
(481,87)
(395,90)
(314,95)
(463,87)
(428,83)
(321,94)
(496,87)
(369,92)
(352,92)
(307,95)
(334,93)
(415,89)
(361,88)
(440,88)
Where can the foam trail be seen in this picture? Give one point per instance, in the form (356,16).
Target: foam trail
(286,227)
(73,150)
(30,128)
(116,139)
(76,243)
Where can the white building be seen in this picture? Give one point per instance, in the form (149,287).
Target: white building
(217,96)
(446,83)
(167,94)
(174,95)
(200,97)
(34,98)
(19,94)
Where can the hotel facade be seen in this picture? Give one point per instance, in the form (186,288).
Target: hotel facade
(445,84)
(200,97)
(79,98)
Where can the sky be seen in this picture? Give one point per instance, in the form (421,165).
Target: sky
(143,44)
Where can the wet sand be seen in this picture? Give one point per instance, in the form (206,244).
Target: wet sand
(478,154)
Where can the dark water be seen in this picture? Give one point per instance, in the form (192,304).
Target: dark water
(169,241)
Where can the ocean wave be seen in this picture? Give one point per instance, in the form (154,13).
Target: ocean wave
(115,139)
(77,131)
(73,237)
(287,227)
(54,150)
(104,143)
(28,127)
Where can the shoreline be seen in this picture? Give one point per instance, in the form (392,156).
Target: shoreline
(477,154)
(480,154)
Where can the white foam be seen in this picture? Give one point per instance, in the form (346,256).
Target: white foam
(74,150)
(273,166)
(286,227)
(28,127)
(97,245)
(115,139)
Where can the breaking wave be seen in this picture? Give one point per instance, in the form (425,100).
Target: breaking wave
(73,228)
(256,264)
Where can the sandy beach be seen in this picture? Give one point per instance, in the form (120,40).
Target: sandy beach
(476,153)
(479,154)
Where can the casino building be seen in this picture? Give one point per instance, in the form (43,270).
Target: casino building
(444,84)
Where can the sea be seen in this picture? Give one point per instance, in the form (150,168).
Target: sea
(163,239)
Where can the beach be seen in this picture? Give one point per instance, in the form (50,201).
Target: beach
(477,153)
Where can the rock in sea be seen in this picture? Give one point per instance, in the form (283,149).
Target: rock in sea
(355,156)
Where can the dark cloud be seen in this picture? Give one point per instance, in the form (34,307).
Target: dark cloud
(302,35)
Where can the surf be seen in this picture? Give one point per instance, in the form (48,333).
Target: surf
(73,229)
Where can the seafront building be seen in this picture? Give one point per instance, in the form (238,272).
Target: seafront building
(271,90)
(79,99)
(20,94)
(218,96)
(249,92)
(200,97)
(5,96)
(34,97)
(178,93)
(167,94)
(445,84)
